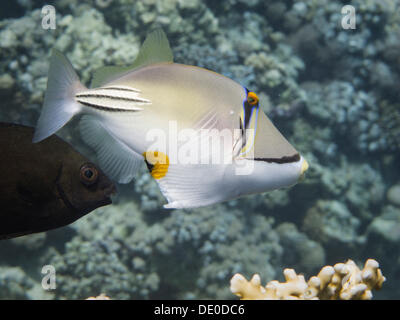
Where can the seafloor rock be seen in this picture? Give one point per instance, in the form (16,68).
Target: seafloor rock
(14,283)
(332,224)
(300,252)
(385,228)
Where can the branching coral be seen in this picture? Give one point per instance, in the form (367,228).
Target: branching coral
(343,281)
(102,296)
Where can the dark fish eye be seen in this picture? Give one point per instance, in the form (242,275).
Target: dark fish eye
(88,174)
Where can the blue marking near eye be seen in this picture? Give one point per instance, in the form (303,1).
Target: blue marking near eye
(249,111)
(247,106)
(244,106)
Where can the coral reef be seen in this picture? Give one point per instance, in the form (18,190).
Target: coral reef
(331,224)
(134,260)
(102,296)
(344,281)
(14,283)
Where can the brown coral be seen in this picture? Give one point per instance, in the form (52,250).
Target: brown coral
(343,281)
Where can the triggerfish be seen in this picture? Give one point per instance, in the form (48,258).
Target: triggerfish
(203,136)
(45,185)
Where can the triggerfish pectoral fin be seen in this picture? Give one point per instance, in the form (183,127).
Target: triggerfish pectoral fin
(188,186)
(116,159)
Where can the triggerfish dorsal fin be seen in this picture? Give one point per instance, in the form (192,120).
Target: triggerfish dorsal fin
(155,49)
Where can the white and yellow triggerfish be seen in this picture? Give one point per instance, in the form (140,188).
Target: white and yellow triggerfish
(202,135)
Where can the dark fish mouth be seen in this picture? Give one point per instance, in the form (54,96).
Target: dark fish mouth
(108,192)
(103,203)
(111,190)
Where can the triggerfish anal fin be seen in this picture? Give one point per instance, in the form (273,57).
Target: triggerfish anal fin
(155,49)
(190,185)
(116,159)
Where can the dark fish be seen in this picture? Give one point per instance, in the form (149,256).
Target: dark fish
(45,185)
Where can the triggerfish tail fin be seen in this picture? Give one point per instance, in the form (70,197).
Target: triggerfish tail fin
(59,102)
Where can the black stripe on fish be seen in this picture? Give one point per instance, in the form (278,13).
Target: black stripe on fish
(149,166)
(110,97)
(102,108)
(242,134)
(248,112)
(248,109)
(285,159)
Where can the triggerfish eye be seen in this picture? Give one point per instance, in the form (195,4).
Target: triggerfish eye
(252,98)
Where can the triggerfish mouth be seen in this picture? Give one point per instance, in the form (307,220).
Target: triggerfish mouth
(203,136)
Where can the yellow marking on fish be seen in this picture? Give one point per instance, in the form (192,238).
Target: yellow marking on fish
(304,166)
(252,98)
(158,163)
(303,169)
